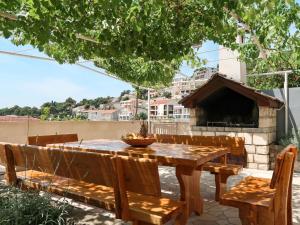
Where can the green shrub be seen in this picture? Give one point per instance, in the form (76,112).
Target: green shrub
(291,138)
(29,208)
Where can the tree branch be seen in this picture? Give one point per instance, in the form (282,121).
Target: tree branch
(8,16)
(246,27)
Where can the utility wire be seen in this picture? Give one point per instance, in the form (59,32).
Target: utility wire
(110,75)
(214,50)
(85,61)
(220,59)
(78,64)
(25,50)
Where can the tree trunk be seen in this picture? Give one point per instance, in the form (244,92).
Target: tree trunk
(136,103)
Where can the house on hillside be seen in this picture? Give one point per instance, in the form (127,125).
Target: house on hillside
(101,114)
(128,108)
(168,109)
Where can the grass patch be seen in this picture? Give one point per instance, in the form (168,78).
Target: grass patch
(19,207)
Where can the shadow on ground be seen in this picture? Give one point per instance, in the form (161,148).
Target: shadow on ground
(214,213)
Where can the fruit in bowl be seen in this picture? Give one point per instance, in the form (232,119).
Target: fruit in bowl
(137,140)
(141,139)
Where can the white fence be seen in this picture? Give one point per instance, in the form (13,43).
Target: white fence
(170,128)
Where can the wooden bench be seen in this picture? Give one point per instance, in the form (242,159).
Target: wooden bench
(44,140)
(266,201)
(129,187)
(221,168)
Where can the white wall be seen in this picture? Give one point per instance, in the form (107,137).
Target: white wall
(230,65)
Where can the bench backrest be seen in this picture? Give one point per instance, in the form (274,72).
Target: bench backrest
(235,144)
(282,180)
(124,174)
(51,139)
(83,166)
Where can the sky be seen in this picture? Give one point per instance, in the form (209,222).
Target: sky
(32,82)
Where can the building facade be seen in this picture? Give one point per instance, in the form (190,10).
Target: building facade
(183,85)
(100,115)
(168,110)
(129,108)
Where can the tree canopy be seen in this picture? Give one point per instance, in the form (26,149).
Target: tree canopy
(58,110)
(145,41)
(273,29)
(21,111)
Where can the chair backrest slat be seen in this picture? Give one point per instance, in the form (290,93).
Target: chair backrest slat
(136,175)
(282,180)
(141,175)
(276,177)
(51,139)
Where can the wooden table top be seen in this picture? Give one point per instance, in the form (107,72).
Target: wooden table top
(166,154)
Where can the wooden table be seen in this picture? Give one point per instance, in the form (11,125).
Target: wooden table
(188,160)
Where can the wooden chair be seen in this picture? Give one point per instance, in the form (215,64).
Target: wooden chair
(130,187)
(221,168)
(263,201)
(140,187)
(44,140)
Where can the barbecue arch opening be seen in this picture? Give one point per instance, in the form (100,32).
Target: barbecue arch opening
(224,102)
(227,108)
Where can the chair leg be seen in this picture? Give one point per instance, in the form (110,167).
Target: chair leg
(182,218)
(265,216)
(248,215)
(221,184)
(289,207)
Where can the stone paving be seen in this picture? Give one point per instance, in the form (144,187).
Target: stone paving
(214,214)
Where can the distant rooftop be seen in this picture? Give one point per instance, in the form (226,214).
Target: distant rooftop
(163,101)
(14,118)
(102,111)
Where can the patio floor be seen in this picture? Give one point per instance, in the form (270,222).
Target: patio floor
(214,214)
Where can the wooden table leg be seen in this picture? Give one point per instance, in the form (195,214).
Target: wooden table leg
(221,184)
(189,181)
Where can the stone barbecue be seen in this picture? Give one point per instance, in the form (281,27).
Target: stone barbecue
(223,106)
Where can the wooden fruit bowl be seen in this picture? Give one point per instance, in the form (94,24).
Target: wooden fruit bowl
(139,142)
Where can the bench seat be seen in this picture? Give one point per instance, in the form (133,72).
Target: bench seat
(252,190)
(157,210)
(229,169)
(221,172)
